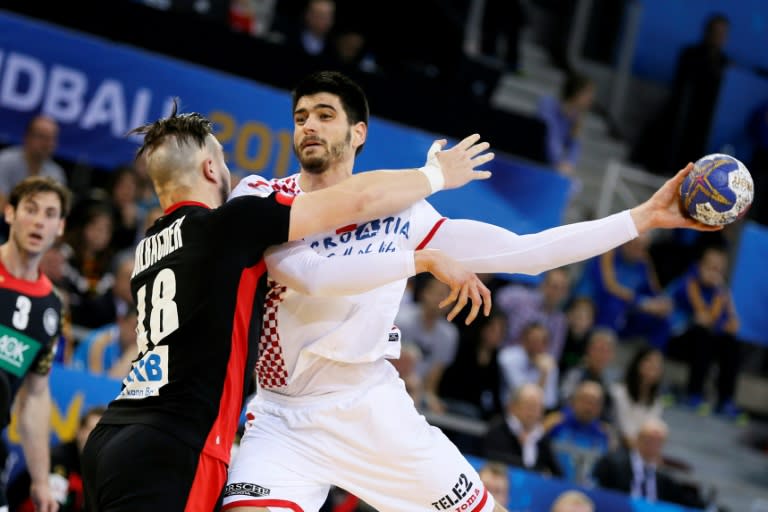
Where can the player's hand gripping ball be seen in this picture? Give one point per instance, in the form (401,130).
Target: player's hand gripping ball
(718,191)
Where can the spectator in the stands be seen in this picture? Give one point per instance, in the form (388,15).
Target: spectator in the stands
(89,266)
(628,298)
(530,363)
(636,399)
(639,473)
(105,308)
(110,350)
(33,157)
(706,322)
(564,118)
(312,34)
(518,438)
(423,323)
(127,215)
(581,320)
(495,477)
(252,17)
(595,367)
(577,434)
(543,304)
(573,501)
(406,364)
(472,383)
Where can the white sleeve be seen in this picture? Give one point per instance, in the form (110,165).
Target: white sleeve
(252,185)
(424,222)
(487,248)
(299,267)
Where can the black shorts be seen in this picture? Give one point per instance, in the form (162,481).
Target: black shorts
(130,468)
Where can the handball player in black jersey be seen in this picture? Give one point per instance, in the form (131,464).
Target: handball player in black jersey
(30,322)
(199,282)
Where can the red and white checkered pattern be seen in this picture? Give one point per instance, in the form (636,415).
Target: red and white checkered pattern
(270,369)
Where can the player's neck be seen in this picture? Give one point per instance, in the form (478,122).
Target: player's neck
(310,181)
(20,264)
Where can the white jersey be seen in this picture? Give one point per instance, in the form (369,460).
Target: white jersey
(315,345)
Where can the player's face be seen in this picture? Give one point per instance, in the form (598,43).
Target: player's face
(36,222)
(322,135)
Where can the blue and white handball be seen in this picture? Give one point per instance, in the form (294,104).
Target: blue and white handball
(718,191)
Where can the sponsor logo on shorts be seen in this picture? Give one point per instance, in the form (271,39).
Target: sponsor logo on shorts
(461,496)
(245,489)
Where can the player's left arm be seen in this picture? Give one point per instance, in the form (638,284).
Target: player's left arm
(34,410)
(299,267)
(487,248)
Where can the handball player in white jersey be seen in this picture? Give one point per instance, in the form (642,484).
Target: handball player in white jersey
(330,409)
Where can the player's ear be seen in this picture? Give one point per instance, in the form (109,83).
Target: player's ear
(9,213)
(359,134)
(62,225)
(209,172)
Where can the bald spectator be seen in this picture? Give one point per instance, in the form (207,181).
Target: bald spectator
(32,158)
(638,471)
(577,435)
(518,438)
(543,304)
(530,362)
(495,477)
(573,501)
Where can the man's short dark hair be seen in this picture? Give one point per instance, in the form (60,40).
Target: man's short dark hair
(351,95)
(36,184)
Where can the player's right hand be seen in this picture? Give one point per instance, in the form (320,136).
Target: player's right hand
(465,285)
(458,164)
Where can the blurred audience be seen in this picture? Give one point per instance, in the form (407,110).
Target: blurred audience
(472,384)
(33,157)
(495,477)
(636,399)
(595,367)
(543,304)
(530,363)
(564,118)
(623,285)
(581,320)
(109,350)
(573,501)
(680,132)
(638,471)
(424,324)
(127,216)
(706,325)
(518,438)
(577,434)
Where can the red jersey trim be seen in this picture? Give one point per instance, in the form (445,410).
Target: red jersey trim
(345,229)
(210,479)
(176,206)
(39,288)
(222,434)
(264,503)
(431,234)
(480,505)
(284,199)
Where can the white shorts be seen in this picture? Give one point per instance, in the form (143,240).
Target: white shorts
(371,442)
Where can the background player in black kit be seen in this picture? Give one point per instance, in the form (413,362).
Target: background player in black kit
(30,321)
(164,443)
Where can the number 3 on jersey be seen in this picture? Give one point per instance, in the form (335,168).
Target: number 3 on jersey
(163,313)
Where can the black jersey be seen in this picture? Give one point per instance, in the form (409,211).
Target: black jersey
(199,286)
(30,321)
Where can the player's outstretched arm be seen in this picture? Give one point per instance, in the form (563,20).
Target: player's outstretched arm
(298,266)
(487,248)
(374,194)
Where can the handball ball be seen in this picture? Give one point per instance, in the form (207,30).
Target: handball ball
(717,191)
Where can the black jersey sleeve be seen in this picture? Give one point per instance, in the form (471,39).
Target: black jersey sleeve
(254,223)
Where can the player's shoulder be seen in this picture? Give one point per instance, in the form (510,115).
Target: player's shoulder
(255,185)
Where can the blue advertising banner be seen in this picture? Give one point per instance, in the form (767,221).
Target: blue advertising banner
(98,90)
(749,284)
(529,492)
